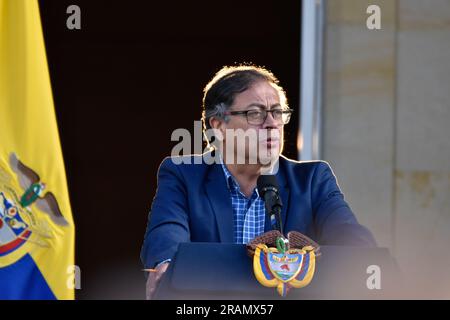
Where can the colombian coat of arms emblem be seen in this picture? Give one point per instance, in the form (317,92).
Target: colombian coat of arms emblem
(21,195)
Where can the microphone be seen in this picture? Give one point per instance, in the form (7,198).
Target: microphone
(268,189)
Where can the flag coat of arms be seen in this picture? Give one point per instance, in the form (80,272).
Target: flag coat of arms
(285,270)
(36,225)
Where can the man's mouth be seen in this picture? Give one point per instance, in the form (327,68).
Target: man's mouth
(271,142)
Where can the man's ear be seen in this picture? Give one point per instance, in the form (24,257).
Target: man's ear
(216,123)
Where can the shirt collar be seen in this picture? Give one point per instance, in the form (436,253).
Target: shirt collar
(232,184)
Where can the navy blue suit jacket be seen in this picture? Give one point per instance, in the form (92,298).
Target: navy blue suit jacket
(192,203)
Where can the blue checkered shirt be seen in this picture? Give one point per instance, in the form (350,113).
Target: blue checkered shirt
(248,213)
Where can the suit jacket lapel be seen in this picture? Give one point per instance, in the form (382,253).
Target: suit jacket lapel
(219,198)
(284,192)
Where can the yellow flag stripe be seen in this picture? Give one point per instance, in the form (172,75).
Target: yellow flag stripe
(28,128)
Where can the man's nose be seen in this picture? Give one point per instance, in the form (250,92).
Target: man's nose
(270,121)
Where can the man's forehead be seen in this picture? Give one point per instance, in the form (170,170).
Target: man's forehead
(259,93)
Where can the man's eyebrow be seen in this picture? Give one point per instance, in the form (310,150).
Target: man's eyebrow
(262,106)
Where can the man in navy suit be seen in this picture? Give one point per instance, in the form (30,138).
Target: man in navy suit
(217,201)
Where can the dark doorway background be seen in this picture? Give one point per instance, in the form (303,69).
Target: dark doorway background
(132,74)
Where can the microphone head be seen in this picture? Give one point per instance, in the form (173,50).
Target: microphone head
(266,182)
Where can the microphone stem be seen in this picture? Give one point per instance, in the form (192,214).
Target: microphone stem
(276,211)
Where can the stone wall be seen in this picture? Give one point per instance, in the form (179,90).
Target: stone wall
(386,127)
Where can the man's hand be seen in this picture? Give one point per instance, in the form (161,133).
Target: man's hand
(153,279)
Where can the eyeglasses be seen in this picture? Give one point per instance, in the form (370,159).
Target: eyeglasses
(258,117)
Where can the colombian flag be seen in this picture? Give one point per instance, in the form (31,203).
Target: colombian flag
(36,226)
